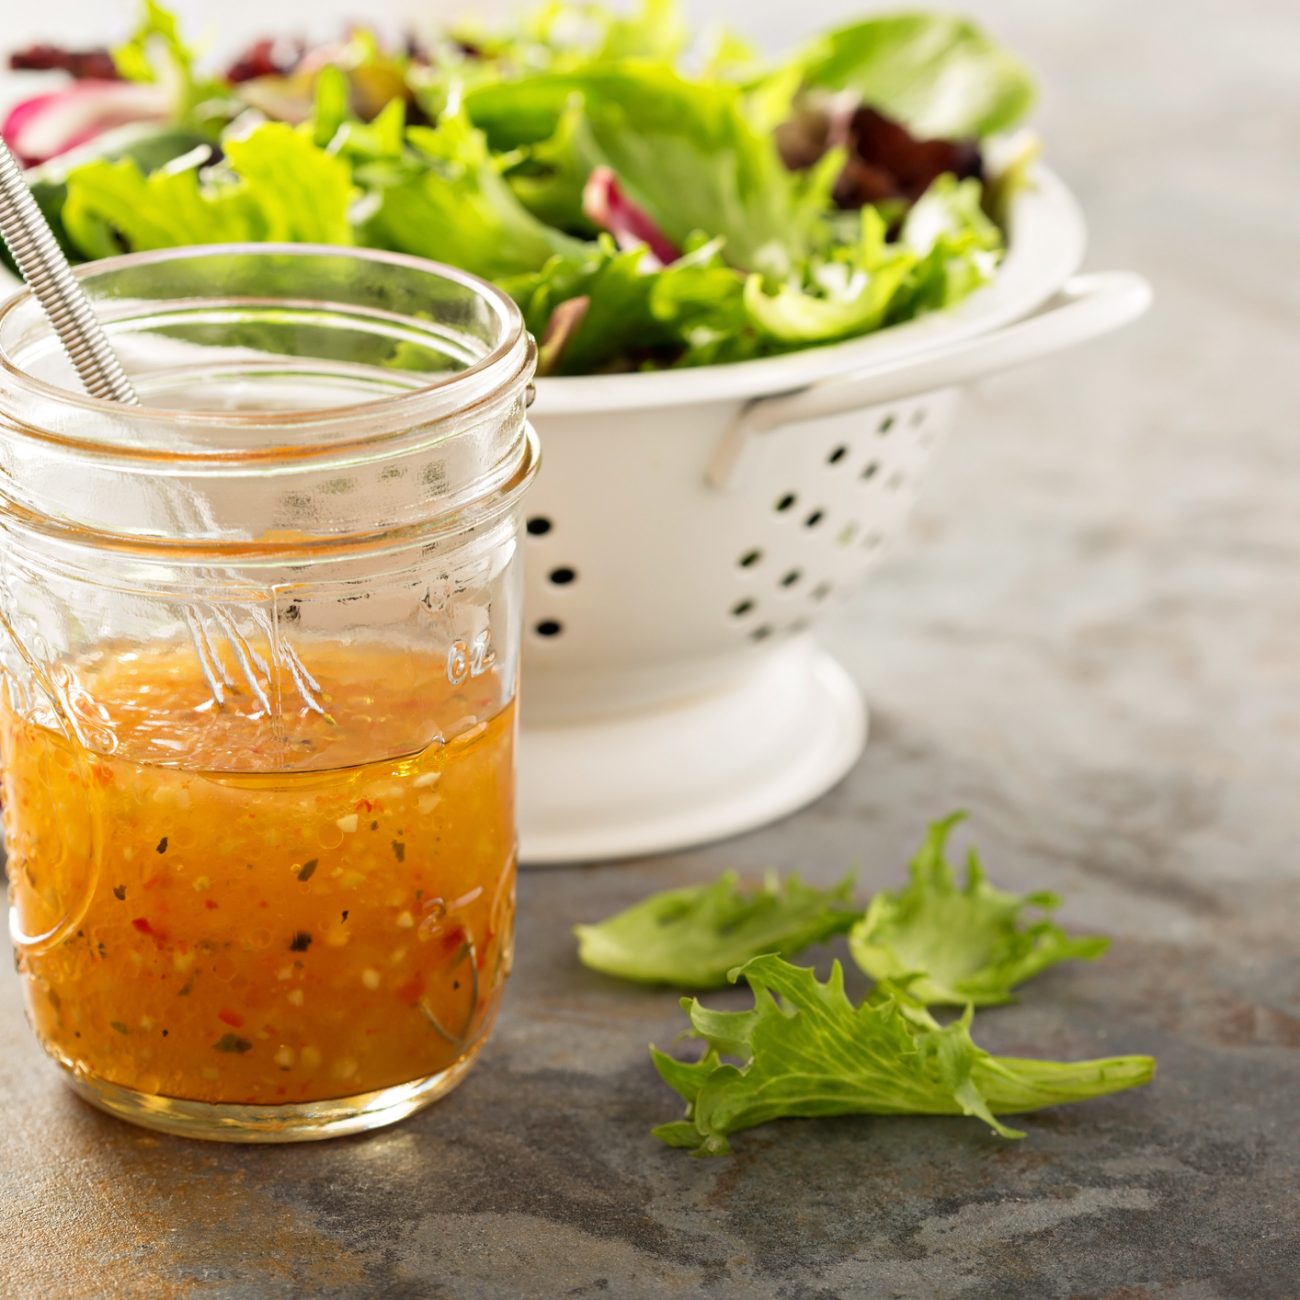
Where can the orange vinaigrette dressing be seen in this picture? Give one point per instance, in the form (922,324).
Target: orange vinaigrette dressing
(221,932)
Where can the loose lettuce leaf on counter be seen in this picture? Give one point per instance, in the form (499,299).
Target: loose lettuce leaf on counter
(936,73)
(805,1051)
(275,185)
(969,944)
(692,938)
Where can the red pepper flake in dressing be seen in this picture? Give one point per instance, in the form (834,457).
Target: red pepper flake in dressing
(119,892)
(162,845)
(141,923)
(399,850)
(308,869)
(231,1018)
(300,942)
(232,1043)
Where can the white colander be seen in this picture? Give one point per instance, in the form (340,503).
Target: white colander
(687,529)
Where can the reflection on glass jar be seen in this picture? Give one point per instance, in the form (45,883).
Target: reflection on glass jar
(260,653)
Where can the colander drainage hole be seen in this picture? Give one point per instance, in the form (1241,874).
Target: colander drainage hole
(538,526)
(837,455)
(785,503)
(871,470)
(749,559)
(789,579)
(741,608)
(821,591)
(814,519)
(549,627)
(562,576)
(886,424)
(760,633)
(918,417)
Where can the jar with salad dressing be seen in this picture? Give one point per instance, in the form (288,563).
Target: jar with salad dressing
(259,639)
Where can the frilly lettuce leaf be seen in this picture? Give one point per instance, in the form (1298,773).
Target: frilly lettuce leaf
(451,204)
(947,249)
(937,74)
(275,184)
(805,1051)
(684,151)
(847,292)
(691,938)
(969,944)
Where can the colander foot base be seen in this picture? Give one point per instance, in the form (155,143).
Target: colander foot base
(715,765)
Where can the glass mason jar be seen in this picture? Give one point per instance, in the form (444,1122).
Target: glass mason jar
(260,642)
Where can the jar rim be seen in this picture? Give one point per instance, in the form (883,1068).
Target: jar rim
(420,405)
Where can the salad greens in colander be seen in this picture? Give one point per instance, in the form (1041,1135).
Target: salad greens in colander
(649,200)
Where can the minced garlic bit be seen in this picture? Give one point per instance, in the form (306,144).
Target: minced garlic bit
(285,1057)
(426,778)
(294,998)
(310,1058)
(405,921)
(202,884)
(348,824)
(370,978)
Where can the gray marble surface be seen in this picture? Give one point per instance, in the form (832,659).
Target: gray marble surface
(1089,639)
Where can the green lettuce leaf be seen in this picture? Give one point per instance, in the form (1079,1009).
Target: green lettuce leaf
(847,292)
(947,249)
(606,308)
(451,203)
(806,1051)
(693,937)
(969,944)
(560,34)
(686,152)
(156,51)
(275,185)
(937,74)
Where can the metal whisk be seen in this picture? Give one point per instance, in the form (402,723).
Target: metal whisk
(49,276)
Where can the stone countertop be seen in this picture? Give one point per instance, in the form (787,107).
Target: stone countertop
(1089,639)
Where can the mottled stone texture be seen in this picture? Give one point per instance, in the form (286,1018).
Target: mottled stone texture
(1090,640)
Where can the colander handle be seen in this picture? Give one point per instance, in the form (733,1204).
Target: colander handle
(1085,306)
